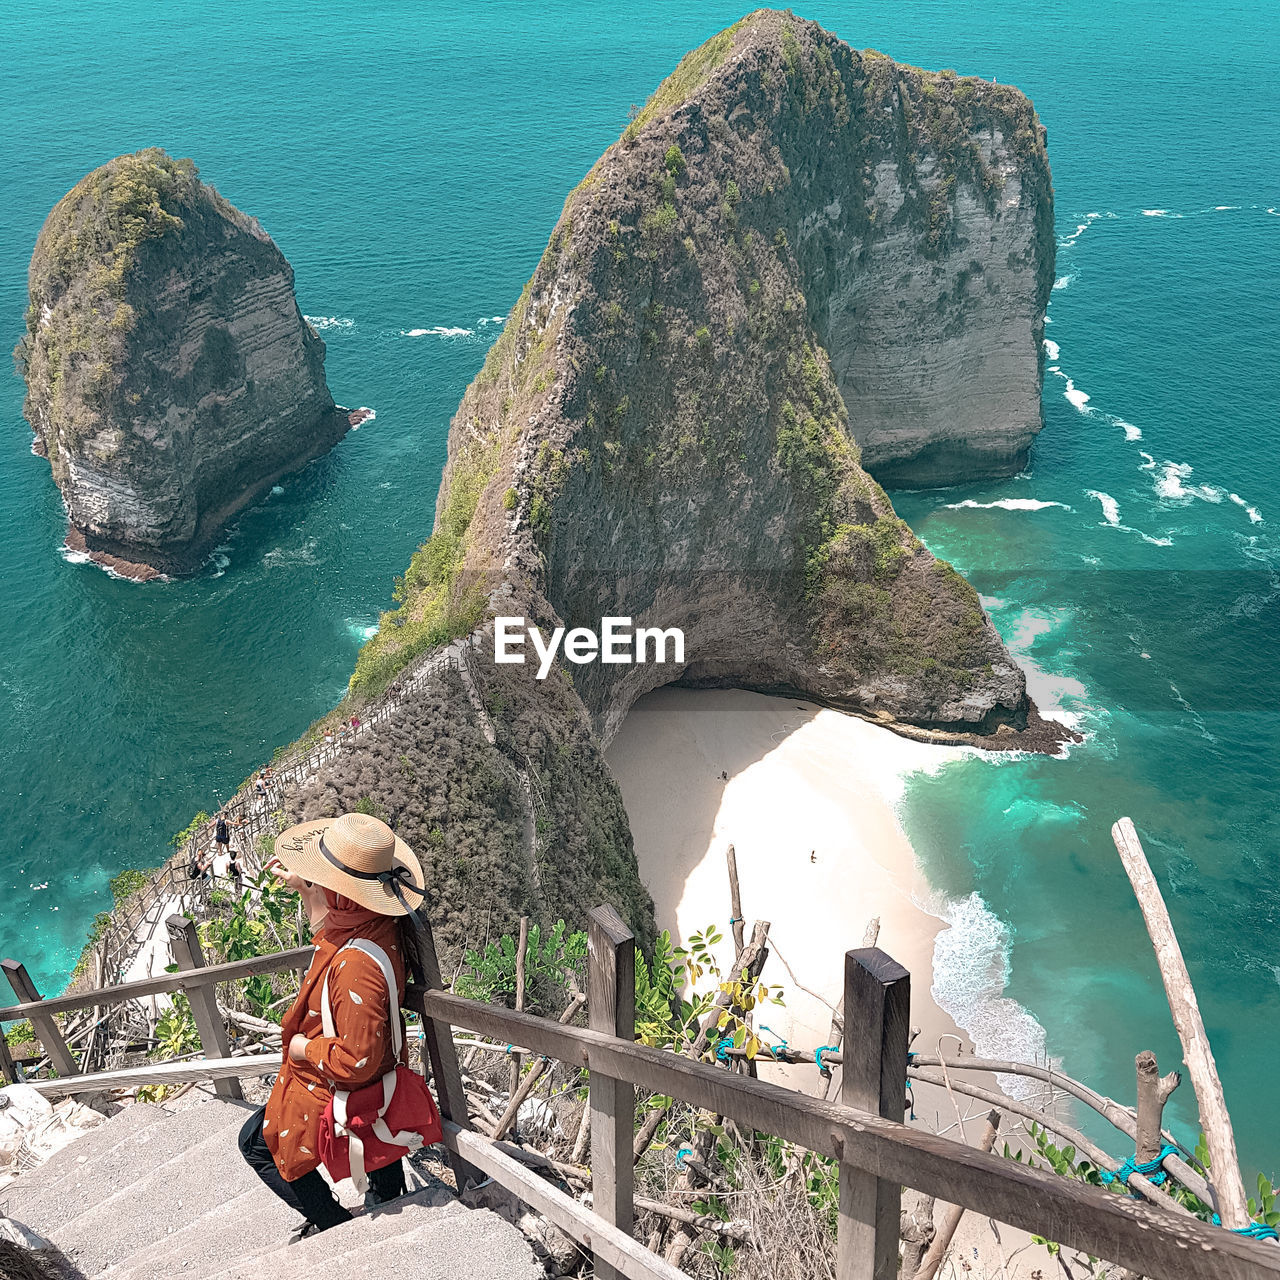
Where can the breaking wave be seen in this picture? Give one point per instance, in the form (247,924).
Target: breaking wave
(1007,504)
(971,969)
(321,323)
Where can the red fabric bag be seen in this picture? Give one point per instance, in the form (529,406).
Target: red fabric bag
(369,1128)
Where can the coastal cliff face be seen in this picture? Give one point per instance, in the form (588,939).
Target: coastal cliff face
(670,427)
(756,292)
(170,375)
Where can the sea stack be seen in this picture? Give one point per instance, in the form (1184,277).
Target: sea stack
(171,377)
(732,332)
(739,322)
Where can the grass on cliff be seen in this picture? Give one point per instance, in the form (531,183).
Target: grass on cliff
(690,74)
(78,315)
(436,601)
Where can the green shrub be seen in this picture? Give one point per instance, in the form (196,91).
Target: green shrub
(509,500)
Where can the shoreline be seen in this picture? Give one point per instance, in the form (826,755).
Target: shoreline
(810,805)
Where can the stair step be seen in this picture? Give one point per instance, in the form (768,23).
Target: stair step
(477,1246)
(429,1206)
(96,1144)
(192,1166)
(104,1175)
(450,1243)
(252,1220)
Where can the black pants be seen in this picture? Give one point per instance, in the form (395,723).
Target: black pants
(310,1194)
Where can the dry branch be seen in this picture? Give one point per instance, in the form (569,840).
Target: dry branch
(1232,1206)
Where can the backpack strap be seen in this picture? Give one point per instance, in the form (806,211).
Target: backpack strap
(355,1147)
(383,961)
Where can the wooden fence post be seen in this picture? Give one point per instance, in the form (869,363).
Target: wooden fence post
(50,1037)
(877,1006)
(611,1008)
(440,1049)
(187,954)
(8,1070)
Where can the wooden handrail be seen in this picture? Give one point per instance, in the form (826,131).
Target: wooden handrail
(274,962)
(1123,1231)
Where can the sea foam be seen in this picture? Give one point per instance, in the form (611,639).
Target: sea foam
(1170,485)
(323,323)
(1077,397)
(1255,516)
(1006,504)
(1110,507)
(1051,348)
(970,973)
(437,331)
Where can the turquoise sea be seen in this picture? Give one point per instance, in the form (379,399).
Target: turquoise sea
(410,161)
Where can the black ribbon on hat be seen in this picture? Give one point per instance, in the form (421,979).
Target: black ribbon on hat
(396,879)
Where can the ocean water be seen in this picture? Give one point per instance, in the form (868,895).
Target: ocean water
(410,162)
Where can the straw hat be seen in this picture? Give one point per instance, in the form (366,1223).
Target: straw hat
(357,856)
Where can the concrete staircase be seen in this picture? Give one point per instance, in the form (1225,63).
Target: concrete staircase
(156,1193)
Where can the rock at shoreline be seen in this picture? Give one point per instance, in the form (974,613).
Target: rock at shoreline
(678,421)
(171,378)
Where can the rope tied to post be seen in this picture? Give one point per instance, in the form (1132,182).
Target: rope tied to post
(1152,1170)
(722,1049)
(1254,1231)
(817,1056)
(780,1047)
(680,1156)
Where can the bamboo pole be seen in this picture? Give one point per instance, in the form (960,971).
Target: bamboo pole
(535,1073)
(520,962)
(1215,1120)
(735,902)
(1053,1125)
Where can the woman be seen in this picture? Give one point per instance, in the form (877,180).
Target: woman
(356,880)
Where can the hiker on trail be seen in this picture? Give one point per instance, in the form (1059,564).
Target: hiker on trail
(355,724)
(222,832)
(234,870)
(344,1033)
(260,783)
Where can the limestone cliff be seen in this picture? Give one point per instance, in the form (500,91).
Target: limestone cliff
(739,309)
(671,426)
(170,375)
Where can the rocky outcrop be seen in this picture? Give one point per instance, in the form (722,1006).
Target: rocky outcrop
(732,319)
(672,427)
(170,376)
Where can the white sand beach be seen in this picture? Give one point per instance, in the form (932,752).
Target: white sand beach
(808,798)
(809,805)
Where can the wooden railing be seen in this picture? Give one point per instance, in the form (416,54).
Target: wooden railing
(251,814)
(878,1155)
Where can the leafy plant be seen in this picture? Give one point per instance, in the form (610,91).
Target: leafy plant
(490,974)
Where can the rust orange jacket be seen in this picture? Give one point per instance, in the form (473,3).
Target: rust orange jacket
(359,1051)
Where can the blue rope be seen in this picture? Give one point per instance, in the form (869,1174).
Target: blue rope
(817,1056)
(1258,1231)
(1254,1231)
(911,1093)
(1152,1170)
(680,1155)
(722,1049)
(781,1045)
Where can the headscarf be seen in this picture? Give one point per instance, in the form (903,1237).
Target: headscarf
(347,920)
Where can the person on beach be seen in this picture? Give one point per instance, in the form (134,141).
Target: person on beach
(358,881)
